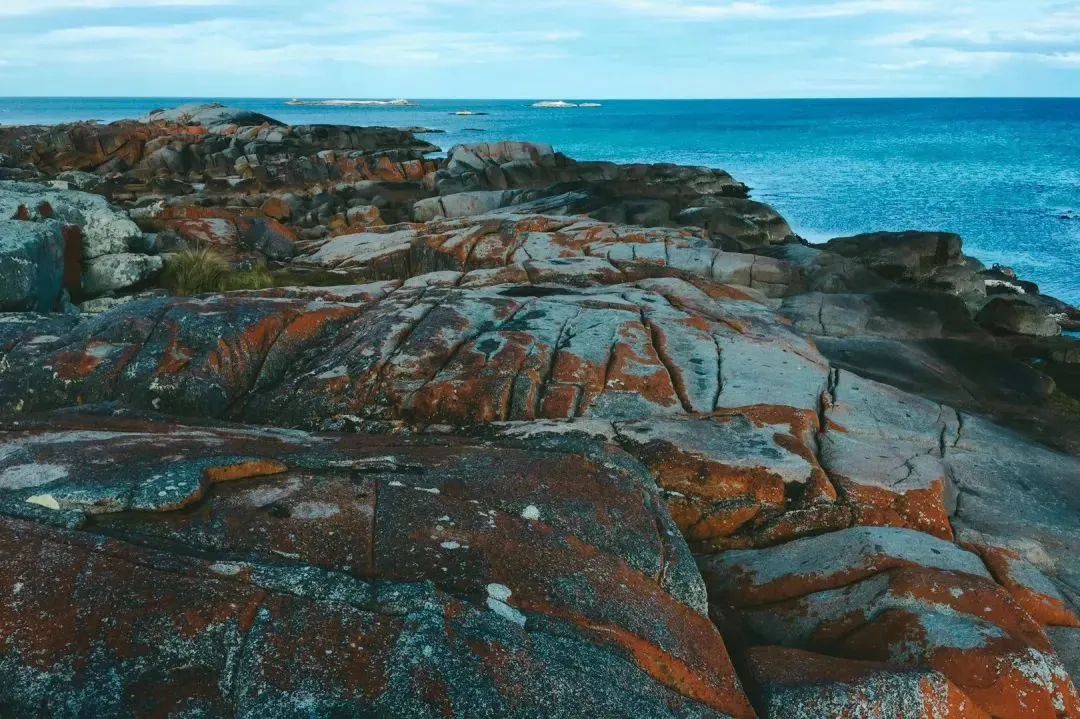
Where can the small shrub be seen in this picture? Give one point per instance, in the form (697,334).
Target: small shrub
(199,271)
(192,272)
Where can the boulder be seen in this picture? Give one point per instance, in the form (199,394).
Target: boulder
(623,193)
(234,233)
(491,242)
(210,115)
(31,265)
(112,273)
(902,256)
(897,313)
(739,224)
(463,204)
(105,230)
(1015,315)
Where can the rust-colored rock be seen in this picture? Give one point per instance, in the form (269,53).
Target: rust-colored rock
(795,684)
(357,573)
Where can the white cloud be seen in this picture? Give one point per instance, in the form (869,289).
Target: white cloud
(983,35)
(31,7)
(761,10)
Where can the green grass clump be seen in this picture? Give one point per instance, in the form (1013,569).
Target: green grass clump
(200,271)
(257,278)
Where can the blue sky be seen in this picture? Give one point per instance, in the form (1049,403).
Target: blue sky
(540,48)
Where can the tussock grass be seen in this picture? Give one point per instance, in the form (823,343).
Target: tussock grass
(199,271)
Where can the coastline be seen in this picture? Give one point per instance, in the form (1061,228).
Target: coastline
(999,179)
(363,428)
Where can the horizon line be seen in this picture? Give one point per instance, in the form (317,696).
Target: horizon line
(535,98)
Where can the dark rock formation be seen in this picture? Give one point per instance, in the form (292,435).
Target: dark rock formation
(456,464)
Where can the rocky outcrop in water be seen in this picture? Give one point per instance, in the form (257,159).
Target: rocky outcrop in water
(515,435)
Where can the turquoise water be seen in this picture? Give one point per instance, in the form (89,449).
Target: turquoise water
(1002,173)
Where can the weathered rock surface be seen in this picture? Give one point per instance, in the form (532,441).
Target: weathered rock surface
(221,142)
(904,598)
(31,265)
(908,256)
(60,239)
(1017,316)
(456,474)
(795,684)
(105,231)
(224,571)
(526,246)
(118,272)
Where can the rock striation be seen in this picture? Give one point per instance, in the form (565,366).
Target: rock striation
(510,436)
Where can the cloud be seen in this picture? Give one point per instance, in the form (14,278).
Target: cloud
(754,10)
(546,47)
(986,34)
(10,8)
(303,44)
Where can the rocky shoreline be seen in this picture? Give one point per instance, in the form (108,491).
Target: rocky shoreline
(506,434)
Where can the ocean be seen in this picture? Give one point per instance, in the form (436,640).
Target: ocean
(1003,173)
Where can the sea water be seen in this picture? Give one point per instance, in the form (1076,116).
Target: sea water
(1003,173)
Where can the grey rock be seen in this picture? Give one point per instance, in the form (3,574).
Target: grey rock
(118,272)
(738,224)
(1016,315)
(463,204)
(902,256)
(83,181)
(31,265)
(210,115)
(105,230)
(1066,641)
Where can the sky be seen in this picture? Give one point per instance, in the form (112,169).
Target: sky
(540,49)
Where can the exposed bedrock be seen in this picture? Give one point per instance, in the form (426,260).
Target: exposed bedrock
(322,575)
(522,437)
(748,468)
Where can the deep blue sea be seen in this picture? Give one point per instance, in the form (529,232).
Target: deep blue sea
(1001,172)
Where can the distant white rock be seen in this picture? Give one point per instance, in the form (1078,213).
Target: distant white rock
(351,103)
(554,104)
(590,104)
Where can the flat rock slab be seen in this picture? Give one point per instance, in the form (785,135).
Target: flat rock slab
(532,242)
(431,353)
(241,570)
